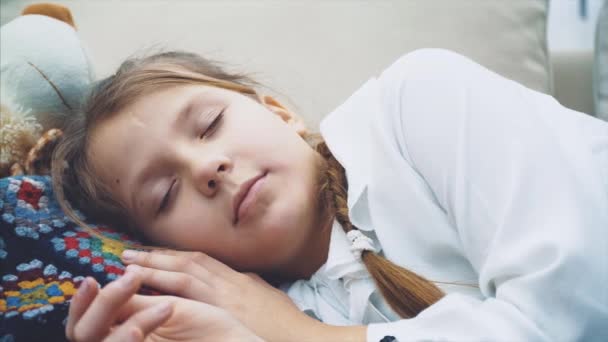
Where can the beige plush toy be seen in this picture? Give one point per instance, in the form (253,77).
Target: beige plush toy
(18,133)
(45,74)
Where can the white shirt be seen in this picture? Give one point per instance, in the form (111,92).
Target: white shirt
(461,175)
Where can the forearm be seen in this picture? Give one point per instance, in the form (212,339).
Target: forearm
(326,332)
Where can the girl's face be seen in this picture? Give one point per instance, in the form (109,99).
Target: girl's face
(178,159)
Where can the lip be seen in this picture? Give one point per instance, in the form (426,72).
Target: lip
(241,195)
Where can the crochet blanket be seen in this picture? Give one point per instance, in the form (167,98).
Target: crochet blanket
(43,258)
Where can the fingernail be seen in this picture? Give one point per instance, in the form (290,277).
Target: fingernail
(129,255)
(83,288)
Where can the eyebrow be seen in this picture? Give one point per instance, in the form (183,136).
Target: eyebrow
(183,114)
(139,181)
(142,176)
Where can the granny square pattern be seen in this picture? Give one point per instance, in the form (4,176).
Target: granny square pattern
(44,256)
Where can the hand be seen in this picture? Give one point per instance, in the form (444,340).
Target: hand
(116,313)
(265,310)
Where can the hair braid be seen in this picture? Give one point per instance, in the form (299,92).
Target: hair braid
(406,292)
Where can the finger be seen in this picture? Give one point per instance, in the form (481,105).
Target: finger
(209,263)
(87,291)
(142,323)
(140,302)
(185,263)
(177,283)
(101,314)
(258,279)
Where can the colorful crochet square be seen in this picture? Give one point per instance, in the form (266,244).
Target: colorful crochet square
(102,254)
(35,289)
(43,258)
(25,205)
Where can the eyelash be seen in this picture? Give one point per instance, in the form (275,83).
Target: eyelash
(165,200)
(208,132)
(213,127)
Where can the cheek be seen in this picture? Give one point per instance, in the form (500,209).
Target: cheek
(188,227)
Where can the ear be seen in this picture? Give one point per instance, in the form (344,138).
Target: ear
(291,118)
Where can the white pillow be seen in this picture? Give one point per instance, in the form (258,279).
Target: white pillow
(600,72)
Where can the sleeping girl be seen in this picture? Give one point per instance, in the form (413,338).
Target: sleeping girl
(440,201)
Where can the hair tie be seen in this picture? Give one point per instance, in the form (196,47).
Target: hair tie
(360,242)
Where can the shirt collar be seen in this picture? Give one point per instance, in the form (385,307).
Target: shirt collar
(341,262)
(343,265)
(346,130)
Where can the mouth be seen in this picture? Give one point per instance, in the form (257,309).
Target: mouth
(244,196)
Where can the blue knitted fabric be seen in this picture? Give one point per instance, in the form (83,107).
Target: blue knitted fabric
(43,258)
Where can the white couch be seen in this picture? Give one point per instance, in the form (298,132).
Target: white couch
(316,52)
(572,73)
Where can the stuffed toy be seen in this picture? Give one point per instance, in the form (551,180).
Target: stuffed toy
(45,75)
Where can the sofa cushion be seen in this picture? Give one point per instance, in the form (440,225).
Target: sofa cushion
(318,52)
(573,79)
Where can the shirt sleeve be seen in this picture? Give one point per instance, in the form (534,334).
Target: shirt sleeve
(523,181)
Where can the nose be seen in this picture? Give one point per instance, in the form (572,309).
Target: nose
(208,175)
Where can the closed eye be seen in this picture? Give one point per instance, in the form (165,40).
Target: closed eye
(165,201)
(213,126)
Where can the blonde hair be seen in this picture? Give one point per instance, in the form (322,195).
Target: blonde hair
(73,177)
